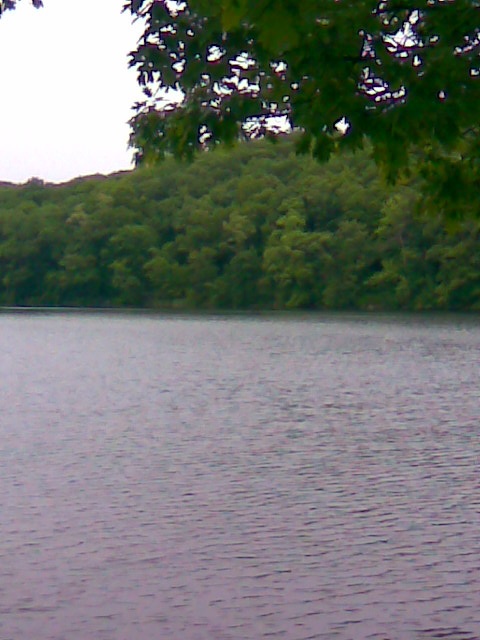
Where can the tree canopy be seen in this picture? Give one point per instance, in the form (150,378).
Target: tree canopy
(255,227)
(404,73)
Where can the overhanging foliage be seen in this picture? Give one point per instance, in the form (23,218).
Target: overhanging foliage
(405,74)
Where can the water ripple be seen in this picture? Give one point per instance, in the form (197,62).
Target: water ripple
(224,478)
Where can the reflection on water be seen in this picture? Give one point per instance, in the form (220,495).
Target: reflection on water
(239,478)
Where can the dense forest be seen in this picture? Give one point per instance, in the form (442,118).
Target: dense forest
(256,227)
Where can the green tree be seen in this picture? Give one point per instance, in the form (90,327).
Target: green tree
(350,262)
(407,277)
(30,247)
(80,278)
(458,260)
(130,247)
(294,260)
(167,278)
(406,75)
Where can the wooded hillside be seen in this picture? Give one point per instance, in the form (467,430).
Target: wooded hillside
(254,227)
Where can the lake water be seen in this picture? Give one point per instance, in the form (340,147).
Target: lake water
(239,478)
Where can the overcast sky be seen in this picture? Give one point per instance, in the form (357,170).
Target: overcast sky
(65,89)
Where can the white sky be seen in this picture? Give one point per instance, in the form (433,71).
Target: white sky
(65,89)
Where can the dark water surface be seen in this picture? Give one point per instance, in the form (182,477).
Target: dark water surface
(214,478)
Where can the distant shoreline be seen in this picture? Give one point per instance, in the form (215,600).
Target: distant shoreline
(330,314)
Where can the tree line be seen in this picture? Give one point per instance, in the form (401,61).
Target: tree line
(256,227)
